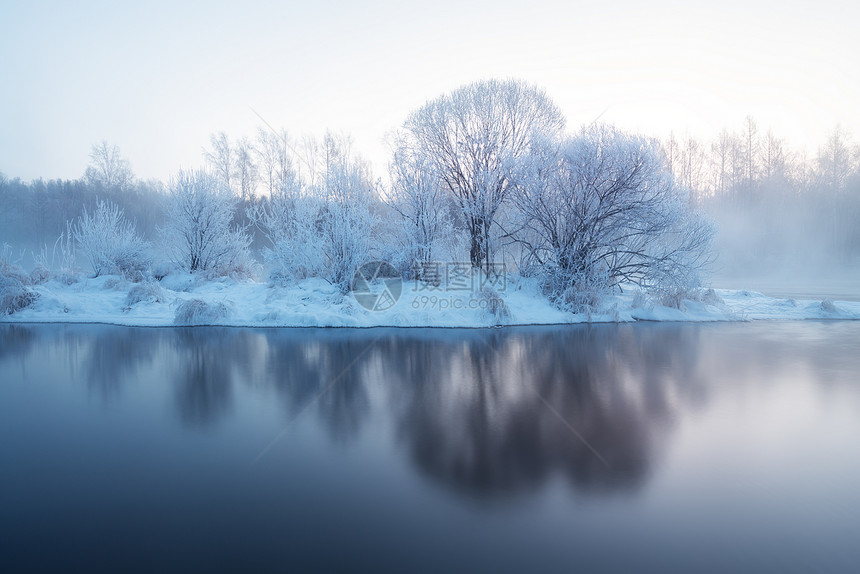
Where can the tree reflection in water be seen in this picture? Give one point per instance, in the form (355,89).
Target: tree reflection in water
(501,413)
(480,411)
(483,412)
(202,382)
(322,370)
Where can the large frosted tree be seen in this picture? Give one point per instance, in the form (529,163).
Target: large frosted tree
(471,138)
(602,209)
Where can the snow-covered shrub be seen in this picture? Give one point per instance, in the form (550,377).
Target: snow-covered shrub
(672,298)
(113,283)
(199,312)
(40,274)
(640,299)
(111,242)
(490,301)
(347,228)
(161,270)
(181,281)
(240,263)
(67,277)
(14,295)
(14,272)
(291,222)
(145,292)
(710,297)
(9,268)
(322,229)
(675,297)
(198,231)
(576,292)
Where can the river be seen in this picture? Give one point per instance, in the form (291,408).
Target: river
(638,447)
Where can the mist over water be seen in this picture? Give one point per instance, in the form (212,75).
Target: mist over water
(790,245)
(785,219)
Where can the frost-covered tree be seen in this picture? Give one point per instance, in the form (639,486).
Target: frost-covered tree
(108,169)
(348,222)
(419,199)
(692,161)
(601,209)
(471,137)
(111,242)
(751,152)
(774,157)
(274,160)
(720,163)
(836,160)
(221,159)
(199,211)
(246,168)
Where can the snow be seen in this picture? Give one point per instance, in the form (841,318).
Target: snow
(316,303)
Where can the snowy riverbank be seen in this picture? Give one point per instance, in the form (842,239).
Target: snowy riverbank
(314,302)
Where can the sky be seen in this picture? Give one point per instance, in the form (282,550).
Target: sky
(157,78)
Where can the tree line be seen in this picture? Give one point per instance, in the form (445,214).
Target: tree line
(485,174)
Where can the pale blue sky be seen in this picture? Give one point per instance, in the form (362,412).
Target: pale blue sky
(157,79)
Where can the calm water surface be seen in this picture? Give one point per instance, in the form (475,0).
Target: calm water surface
(647,447)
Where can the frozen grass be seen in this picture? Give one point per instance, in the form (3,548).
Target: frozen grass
(492,302)
(145,293)
(199,312)
(40,274)
(14,295)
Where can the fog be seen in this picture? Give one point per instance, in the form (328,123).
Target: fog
(786,219)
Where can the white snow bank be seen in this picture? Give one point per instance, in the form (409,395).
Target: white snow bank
(314,302)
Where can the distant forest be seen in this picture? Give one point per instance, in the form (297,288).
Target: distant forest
(774,205)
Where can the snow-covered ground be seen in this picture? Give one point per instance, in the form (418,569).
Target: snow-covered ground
(314,302)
